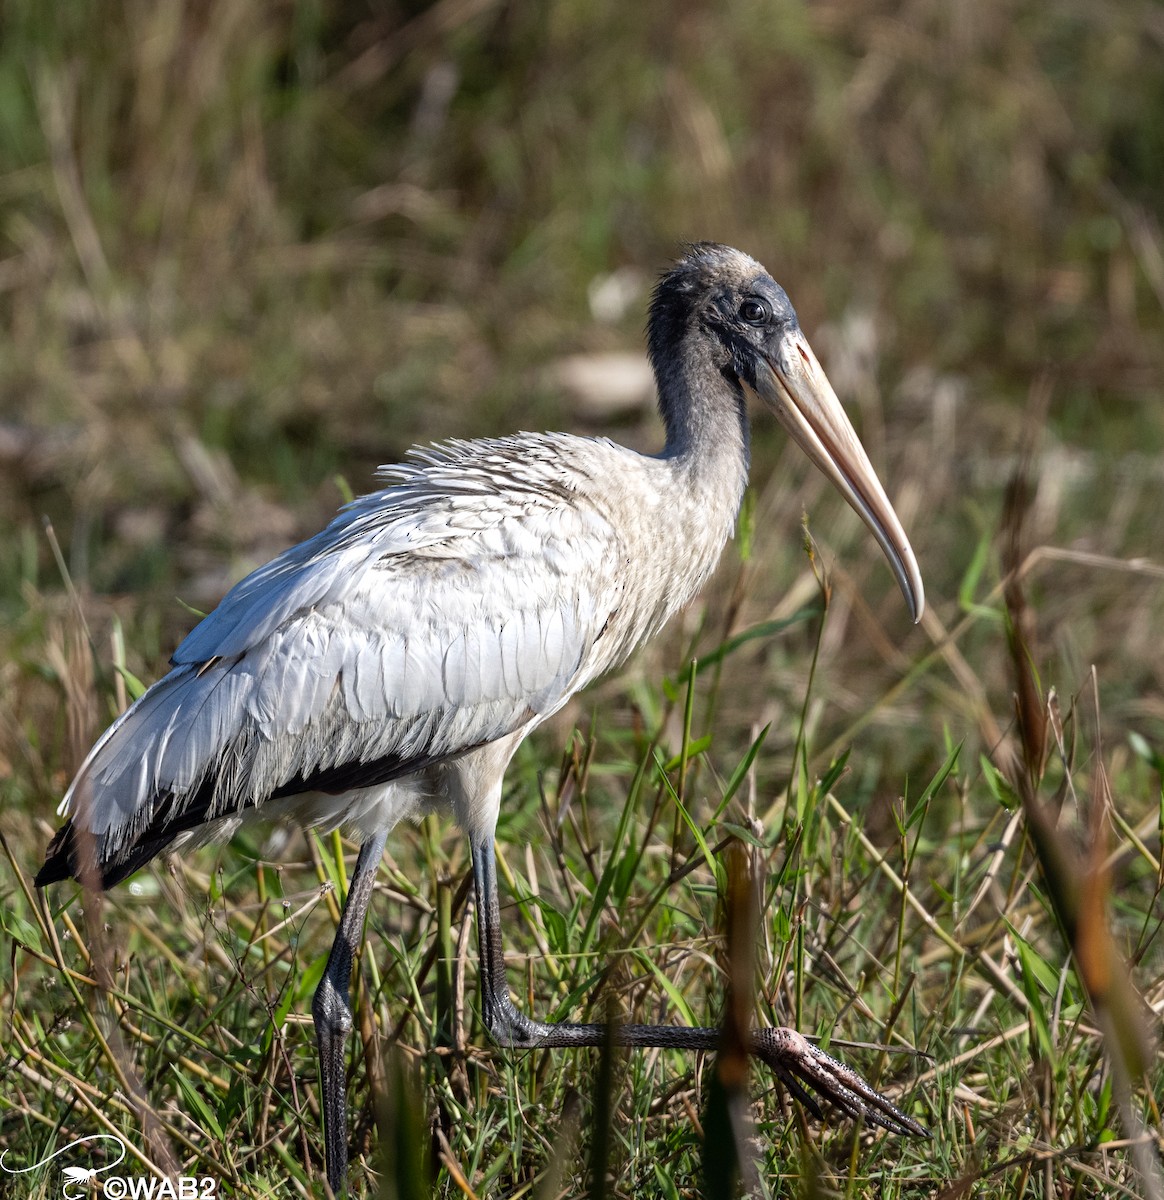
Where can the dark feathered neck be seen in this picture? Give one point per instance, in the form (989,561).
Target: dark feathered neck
(700,398)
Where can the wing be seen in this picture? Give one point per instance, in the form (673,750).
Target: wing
(437,615)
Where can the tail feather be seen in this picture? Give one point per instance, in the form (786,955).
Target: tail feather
(58,858)
(64,858)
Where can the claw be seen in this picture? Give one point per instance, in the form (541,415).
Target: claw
(801,1065)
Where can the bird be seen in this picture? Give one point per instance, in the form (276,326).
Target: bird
(392,664)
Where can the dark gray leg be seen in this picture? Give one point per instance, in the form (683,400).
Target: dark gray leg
(332,1011)
(795,1061)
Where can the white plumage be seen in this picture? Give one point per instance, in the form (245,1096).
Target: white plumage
(466,601)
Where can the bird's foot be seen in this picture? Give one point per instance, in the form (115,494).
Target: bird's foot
(805,1069)
(508,1026)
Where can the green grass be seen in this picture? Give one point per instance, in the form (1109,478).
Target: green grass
(930,931)
(246,253)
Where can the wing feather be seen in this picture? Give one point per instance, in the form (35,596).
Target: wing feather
(510,639)
(455,666)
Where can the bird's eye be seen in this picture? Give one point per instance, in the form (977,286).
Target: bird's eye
(755,312)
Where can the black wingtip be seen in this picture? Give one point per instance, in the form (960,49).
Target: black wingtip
(63,859)
(59,858)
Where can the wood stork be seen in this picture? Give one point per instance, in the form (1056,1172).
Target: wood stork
(392,664)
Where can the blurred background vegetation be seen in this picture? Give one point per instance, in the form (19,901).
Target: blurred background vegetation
(249,246)
(248,251)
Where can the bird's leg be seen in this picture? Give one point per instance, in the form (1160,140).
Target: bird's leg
(506,1023)
(801,1066)
(332,1010)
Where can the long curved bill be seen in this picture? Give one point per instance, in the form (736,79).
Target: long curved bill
(793,385)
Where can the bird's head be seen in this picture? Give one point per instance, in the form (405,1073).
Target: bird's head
(724,308)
